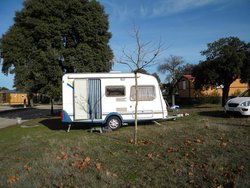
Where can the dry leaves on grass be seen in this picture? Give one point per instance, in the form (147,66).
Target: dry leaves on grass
(172,150)
(241,168)
(81,164)
(153,155)
(223,142)
(199,141)
(150,156)
(27,167)
(141,142)
(188,142)
(191,182)
(12,179)
(186,156)
(98,166)
(145,142)
(63,156)
(108,173)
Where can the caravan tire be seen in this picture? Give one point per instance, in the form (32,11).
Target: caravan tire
(114,122)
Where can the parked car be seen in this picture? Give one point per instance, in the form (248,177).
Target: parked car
(239,105)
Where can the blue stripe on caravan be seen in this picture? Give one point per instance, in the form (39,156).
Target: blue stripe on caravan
(70,85)
(65,117)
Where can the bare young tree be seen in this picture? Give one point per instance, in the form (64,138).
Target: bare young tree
(172,66)
(142,56)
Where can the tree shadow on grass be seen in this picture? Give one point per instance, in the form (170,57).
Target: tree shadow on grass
(53,123)
(221,114)
(214,113)
(56,124)
(243,121)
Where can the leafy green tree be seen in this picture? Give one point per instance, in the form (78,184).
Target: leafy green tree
(157,77)
(223,64)
(3,89)
(50,38)
(245,71)
(186,69)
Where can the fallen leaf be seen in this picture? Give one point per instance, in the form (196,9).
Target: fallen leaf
(186,155)
(199,141)
(80,164)
(241,168)
(171,150)
(75,148)
(64,156)
(108,173)
(177,170)
(223,144)
(150,156)
(98,166)
(131,141)
(188,142)
(221,168)
(87,159)
(12,179)
(76,155)
(28,168)
(190,182)
(145,142)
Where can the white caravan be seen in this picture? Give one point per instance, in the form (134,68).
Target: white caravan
(109,98)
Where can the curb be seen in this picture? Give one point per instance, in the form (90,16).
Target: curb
(14,110)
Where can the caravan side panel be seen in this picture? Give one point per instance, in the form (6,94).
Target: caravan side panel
(67,99)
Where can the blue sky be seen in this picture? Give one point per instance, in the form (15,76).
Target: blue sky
(184,26)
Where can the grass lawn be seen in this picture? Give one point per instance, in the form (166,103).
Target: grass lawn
(205,149)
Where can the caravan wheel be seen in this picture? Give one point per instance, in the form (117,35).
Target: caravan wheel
(114,122)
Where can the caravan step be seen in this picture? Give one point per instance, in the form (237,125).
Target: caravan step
(96,129)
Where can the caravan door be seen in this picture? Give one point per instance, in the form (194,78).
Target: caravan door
(81,99)
(87,99)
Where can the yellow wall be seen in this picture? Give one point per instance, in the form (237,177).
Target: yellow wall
(235,89)
(189,92)
(14,98)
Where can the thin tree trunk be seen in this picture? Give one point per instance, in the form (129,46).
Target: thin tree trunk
(173,99)
(30,100)
(52,106)
(225,92)
(136,108)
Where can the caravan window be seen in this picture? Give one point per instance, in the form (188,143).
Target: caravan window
(115,91)
(145,93)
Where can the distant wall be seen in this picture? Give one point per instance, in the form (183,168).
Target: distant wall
(12,98)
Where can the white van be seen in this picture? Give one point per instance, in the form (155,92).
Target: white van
(109,98)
